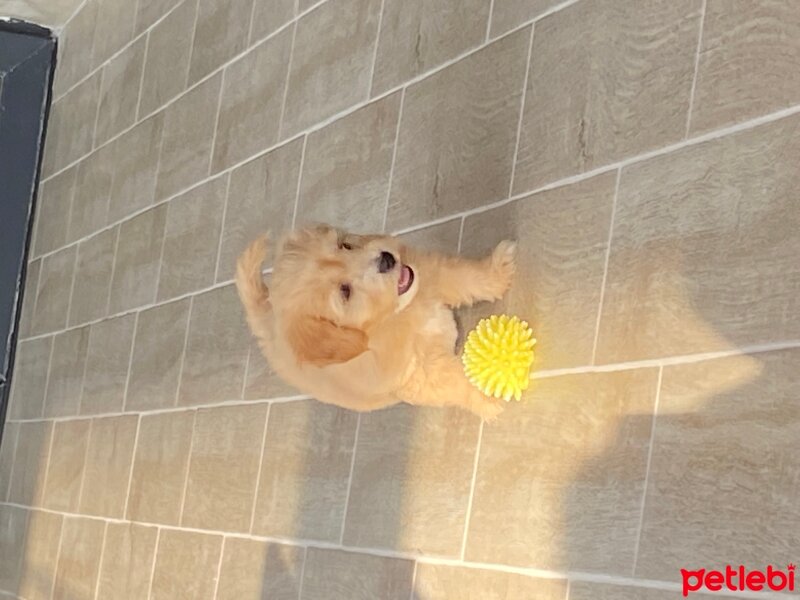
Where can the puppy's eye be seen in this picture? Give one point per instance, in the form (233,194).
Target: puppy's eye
(345,291)
(345,246)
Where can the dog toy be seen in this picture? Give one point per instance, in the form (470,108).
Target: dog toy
(498,355)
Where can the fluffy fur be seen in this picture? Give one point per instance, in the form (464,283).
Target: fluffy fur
(340,325)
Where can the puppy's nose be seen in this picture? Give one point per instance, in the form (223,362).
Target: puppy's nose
(386,262)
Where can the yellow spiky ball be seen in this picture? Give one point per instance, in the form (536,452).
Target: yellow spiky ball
(498,355)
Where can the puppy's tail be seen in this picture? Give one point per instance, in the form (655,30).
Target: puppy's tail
(253,293)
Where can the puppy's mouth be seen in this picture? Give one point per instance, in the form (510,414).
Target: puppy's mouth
(406,280)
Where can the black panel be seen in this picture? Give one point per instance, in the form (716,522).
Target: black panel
(15,48)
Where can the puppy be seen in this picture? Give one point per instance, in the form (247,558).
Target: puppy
(364,322)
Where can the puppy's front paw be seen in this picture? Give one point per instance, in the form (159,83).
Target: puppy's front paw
(503,266)
(490,409)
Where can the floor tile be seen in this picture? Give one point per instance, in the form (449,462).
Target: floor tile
(115,21)
(457,135)
(186,565)
(191,239)
(305,471)
(724,460)
(127,561)
(30,463)
(109,459)
(7,448)
(93,268)
(252,97)
(107,360)
(157,355)
(262,383)
(411,480)
(269,16)
(147,13)
(29,298)
(623,88)
(435,582)
(119,92)
(159,468)
(338,575)
(508,14)
(441,238)
(749,62)
(78,558)
(579,590)
(703,256)
(346,169)
(92,192)
(561,475)
(52,296)
(30,379)
(223,468)
(220,34)
(40,555)
(13,529)
(252,570)
(333,53)
(75,49)
(52,212)
(65,379)
(65,469)
(563,241)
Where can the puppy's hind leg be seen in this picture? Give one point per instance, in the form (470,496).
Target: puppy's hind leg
(440,381)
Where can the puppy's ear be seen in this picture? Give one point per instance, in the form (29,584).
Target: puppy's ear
(320,342)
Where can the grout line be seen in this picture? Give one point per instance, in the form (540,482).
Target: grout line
(47,377)
(137,114)
(183,352)
(153,566)
(412,595)
(58,555)
(258,473)
(375,53)
(647,470)
(95,146)
(188,468)
(471,491)
(222,228)
(605,267)
(71,291)
(113,269)
(219,564)
(582,576)
(489,23)
(299,180)
(85,369)
(133,463)
(250,27)
(566,595)
(696,69)
(521,111)
(59,30)
(191,56)
(246,373)
(85,460)
(288,77)
(96,595)
(394,159)
(212,153)
(460,235)
(130,363)
(302,574)
(350,479)
(169,208)
(13,456)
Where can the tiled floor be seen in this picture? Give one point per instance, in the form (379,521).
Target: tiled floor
(644,154)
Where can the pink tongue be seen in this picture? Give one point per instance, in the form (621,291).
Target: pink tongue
(405,275)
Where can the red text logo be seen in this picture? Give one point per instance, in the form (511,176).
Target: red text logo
(735,580)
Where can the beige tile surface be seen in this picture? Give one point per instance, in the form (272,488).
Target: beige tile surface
(261,381)
(579,590)
(168,52)
(723,460)
(417,36)
(157,355)
(411,480)
(95,262)
(261,198)
(137,260)
(457,135)
(252,97)
(191,239)
(53,209)
(252,570)
(226,451)
(434,582)
(13,529)
(127,561)
(150,11)
(92,192)
(40,555)
(65,379)
(333,53)
(704,248)
(188,137)
(159,468)
(30,379)
(748,63)
(107,360)
(441,238)
(30,463)
(305,471)
(66,466)
(220,34)
(508,14)
(135,165)
(621,89)
(563,240)
(115,21)
(346,168)
(119,92)
(75,48)
(561,475)
(337,575)
(78,558)
(7,448)
(186,565)
(29,298)
(52,295)
(109,459)
(216,349)
(269,16)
